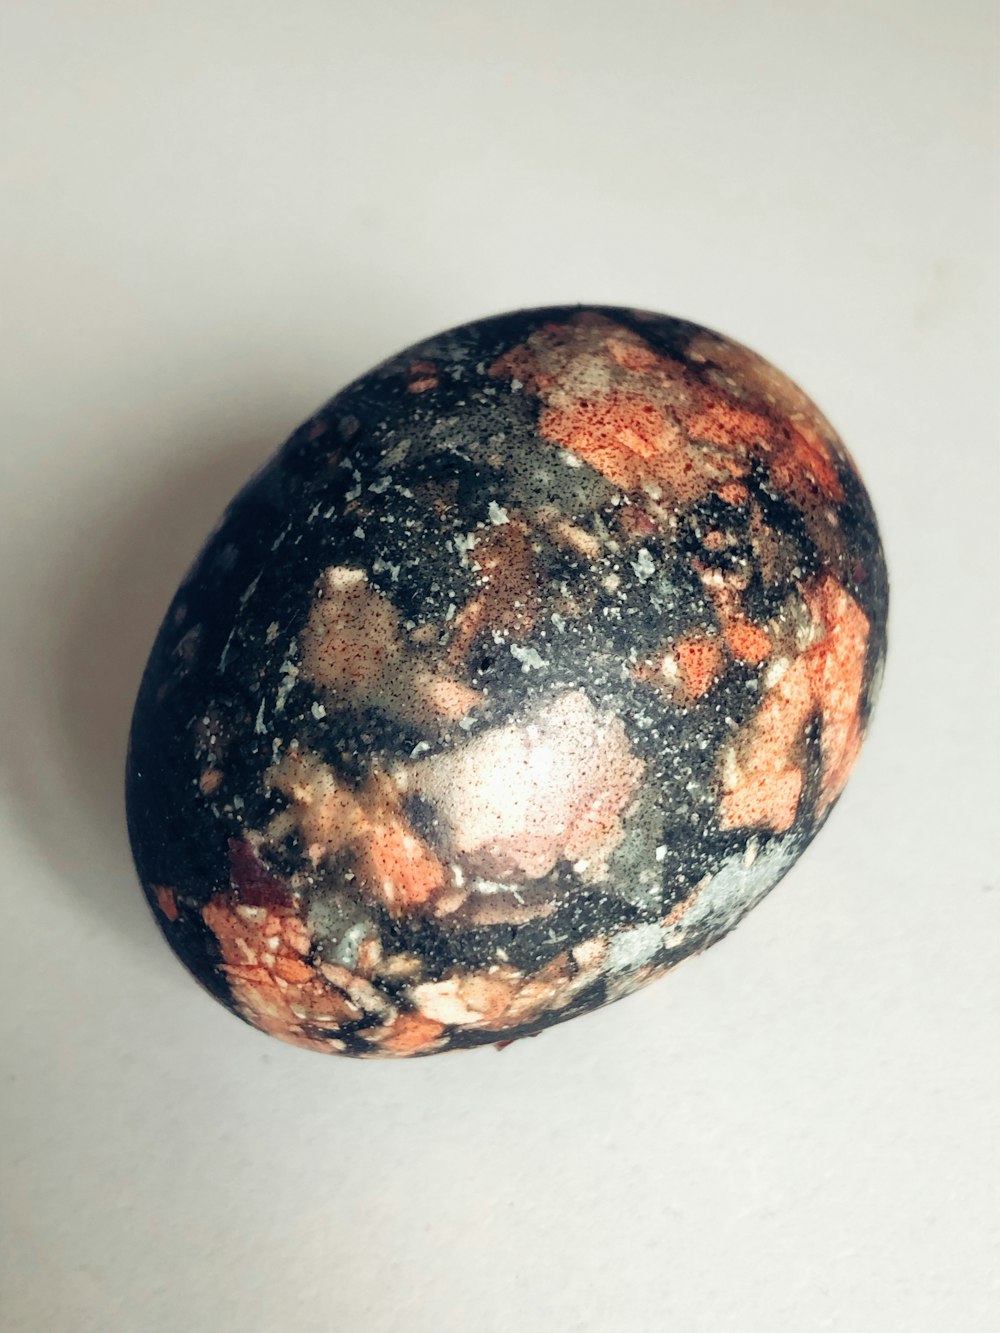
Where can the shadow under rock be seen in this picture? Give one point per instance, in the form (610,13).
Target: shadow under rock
(78,666)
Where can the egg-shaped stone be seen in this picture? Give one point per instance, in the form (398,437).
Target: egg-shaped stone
(526,667)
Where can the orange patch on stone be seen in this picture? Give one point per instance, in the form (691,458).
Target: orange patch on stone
(509,599)
(292,969)
(288,994)
(393,863)
(764,789)
(837,667)
(351,635)
(421,376)
(642,419)
(625,436)
(728,425)
(353,645)
(398,865)
(762,779)
(700,661)
(734,493)
(166,901)
(747,642)
(632,354)
(807,453)
(409,1034)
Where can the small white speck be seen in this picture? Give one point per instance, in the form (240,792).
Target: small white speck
(318,711)
(381,486)
(225,651)
(419,749)
(661,851)
(497,513)
(360,534)
(250,591)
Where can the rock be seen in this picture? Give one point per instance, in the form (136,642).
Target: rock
(528,665)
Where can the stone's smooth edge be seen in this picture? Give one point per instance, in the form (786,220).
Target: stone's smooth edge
(526,667)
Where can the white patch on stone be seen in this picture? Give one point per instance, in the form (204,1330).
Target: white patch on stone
(249,592)
(441,1001)
(632,949)
(289,675)
(775,671)
(395,455)
(528,657)
(644,565)
(732,891)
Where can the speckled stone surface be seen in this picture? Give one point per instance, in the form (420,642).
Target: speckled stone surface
(527,667)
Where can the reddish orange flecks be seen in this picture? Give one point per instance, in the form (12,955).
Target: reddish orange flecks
(410,1033)
(699,660)
(399,865)
(626,437)
(837,667)
(166,901)
(826,680)
(747,642)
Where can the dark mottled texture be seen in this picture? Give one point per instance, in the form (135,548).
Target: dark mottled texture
(529,664)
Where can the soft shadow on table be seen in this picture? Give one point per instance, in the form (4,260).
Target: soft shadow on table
(91,601)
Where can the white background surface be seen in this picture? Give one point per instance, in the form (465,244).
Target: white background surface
(213,215)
